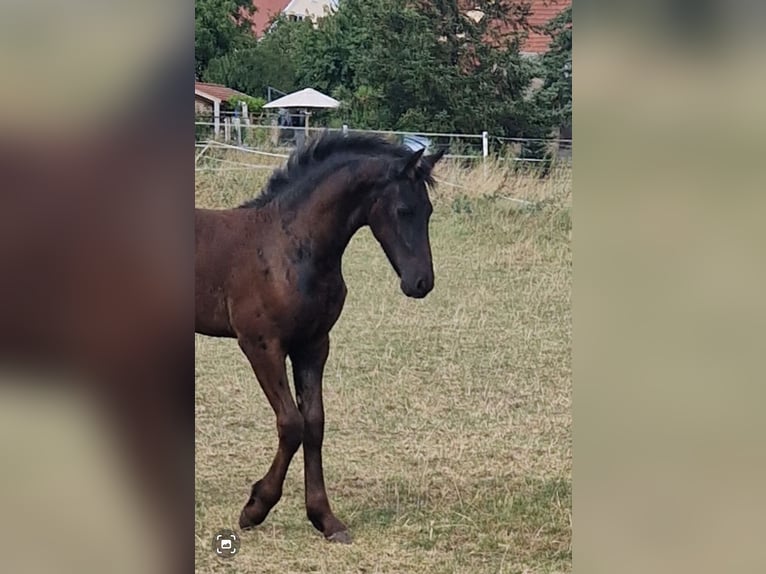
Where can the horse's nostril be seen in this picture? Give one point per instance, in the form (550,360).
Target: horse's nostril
(421,285)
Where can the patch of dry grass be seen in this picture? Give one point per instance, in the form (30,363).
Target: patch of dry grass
(448,437)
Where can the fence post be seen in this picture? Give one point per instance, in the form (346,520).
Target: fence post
(484,150)
(217,116)
(345,129)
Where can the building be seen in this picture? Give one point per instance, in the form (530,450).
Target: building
(267,10)
(541,12)
(210,99)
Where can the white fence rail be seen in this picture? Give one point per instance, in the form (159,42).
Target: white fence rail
(237,133)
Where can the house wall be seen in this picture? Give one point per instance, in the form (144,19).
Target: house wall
(312,9)
(265,10)
(202,106)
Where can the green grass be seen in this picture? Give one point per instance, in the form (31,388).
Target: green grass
(448,434)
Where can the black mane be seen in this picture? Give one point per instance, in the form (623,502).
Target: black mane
(309,165)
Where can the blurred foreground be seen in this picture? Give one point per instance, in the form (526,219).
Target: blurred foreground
(96,243)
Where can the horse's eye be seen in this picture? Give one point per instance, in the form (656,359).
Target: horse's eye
(404,211)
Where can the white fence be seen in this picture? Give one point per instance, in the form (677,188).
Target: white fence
(280,140)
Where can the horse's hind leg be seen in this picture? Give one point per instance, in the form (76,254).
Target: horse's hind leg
(308,366)
(268,362)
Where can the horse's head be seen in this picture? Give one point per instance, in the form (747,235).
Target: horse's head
(399,219)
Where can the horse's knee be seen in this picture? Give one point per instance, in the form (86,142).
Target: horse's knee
(290,428)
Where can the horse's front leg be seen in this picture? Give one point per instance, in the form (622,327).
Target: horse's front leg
(308,366)
(268,361)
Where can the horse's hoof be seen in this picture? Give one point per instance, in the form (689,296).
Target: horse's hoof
(341,537)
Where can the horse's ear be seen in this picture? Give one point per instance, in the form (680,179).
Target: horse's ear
(411,163)
(430,160)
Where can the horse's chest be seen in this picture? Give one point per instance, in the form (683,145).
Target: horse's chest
(319,306)
(324,303)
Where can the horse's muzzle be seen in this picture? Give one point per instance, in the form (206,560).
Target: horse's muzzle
(419,287)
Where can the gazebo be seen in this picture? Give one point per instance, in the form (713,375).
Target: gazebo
(305,100)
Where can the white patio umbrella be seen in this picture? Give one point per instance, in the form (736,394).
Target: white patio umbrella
(305,99)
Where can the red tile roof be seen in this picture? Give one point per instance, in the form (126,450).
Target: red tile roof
(265,11)
(216,90)
(542,12)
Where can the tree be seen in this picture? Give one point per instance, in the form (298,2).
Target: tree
(220,27)
(268,62)
(557,67)
(550,106)
(424,65)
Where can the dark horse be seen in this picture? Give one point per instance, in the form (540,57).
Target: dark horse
(269,274)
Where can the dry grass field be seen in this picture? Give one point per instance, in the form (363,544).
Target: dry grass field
(448,433)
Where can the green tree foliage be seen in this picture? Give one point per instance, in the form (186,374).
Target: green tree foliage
(551,104)
(420,66)
(557,67)
(219,29)
(271,61)
(254,105)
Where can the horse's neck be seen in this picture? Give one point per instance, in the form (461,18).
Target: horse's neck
(334,213)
